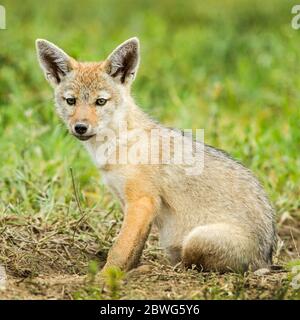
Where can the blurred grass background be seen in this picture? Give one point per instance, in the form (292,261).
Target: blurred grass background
(230,67)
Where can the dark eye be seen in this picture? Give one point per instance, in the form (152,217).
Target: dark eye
(101,102)
(71,101)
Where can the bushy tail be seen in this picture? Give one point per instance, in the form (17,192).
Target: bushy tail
(221,247)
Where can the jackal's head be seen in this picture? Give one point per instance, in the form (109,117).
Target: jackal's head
(90,96)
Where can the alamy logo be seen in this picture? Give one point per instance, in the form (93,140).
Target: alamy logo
(2,18)
(296,19)
(159,146)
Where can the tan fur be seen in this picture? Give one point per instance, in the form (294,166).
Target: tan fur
(219,220)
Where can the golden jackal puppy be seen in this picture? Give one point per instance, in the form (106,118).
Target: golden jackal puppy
(210,210)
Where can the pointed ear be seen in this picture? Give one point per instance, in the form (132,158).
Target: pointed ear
(123,62)
(54,62)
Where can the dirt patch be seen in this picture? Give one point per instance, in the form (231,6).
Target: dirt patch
(50,259)
(42,287)
(31,246)
(161,282)
(289,238)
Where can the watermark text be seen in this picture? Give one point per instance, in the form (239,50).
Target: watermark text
(2,18)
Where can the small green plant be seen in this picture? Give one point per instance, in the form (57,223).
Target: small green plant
(92,271)
(113,278)
(101,286)
(92,289)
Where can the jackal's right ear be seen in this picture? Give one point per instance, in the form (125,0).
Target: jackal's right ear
(54,62)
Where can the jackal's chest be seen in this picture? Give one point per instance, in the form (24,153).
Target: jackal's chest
(116,183)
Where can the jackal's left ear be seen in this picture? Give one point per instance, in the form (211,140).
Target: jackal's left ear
(123,62)
(54,61)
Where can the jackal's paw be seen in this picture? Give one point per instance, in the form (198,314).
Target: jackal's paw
(143,269)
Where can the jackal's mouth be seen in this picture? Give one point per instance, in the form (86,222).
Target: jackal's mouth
(83,138)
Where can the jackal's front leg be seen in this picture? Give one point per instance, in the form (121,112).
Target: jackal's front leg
(129,244)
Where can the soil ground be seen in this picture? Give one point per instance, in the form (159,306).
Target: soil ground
(44,264)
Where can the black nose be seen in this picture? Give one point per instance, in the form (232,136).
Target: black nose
(80,128)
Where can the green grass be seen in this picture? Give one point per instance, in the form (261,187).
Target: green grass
(230,67)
